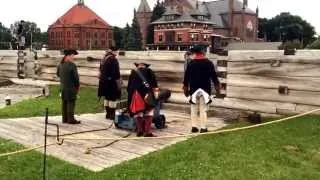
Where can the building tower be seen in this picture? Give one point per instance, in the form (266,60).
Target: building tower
(144,14)
(80,2)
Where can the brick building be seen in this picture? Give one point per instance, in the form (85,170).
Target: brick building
(144,14)
(80,28)
(189,22)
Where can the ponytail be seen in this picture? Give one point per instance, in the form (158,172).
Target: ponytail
(62,60)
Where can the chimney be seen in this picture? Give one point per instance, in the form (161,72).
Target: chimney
(230,14)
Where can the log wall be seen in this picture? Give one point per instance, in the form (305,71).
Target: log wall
(253,79)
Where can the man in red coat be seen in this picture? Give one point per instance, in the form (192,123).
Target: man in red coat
(137,91)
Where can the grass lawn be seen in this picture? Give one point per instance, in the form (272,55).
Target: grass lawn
(285,151)
(87,103)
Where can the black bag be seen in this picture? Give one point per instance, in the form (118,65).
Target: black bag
(149,99)
(160,122)
(255,118)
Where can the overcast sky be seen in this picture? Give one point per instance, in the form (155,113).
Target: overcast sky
(119,12)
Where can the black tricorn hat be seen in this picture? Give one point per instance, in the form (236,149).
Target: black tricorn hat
(197,49)
(69,52)
(145,64)
(112,48)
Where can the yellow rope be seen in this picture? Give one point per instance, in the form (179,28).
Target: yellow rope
(164,137)
(194,135)
(24,150)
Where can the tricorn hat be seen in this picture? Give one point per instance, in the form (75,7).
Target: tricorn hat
(197,49)
(112,48)
(69,52)
(145,64)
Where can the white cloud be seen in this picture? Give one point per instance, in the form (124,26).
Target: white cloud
(120,12)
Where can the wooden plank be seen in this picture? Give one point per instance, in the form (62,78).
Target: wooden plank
(265,69)
(300,97)
(305,108)
(294,83)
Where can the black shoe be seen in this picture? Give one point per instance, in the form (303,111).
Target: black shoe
(204,130)
(74,122)
(194,130)
(149,135)
(139,134)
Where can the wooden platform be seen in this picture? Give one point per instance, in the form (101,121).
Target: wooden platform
(29,132)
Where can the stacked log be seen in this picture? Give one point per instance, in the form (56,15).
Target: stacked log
(8,64)
(274,83)
(262,81)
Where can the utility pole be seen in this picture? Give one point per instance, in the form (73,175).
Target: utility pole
(31,38)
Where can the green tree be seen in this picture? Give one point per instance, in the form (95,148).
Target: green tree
(135,37)
(118,35)
(158,10)
(5,37)
(315,44)
(38,37)
(126,32)
(287,27)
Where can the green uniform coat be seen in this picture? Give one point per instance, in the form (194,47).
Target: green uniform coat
(69,81)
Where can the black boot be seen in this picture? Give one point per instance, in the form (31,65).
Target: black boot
(112,114)
(108,113)
(204,130)
(194,130)
(71,107)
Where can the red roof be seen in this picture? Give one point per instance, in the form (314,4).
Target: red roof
(81,15)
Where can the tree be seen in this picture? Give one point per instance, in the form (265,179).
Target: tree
(5,37)
(126,32)
(315,44)
(118,35)
(38,37)
(158,10)
(287,27)
(135,37)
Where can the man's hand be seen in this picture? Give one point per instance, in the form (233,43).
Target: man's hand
(186,91)
(218,88)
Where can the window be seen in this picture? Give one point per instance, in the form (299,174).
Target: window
(160,38)
(236,31)
(206,37)
(103,42)
(180,37)
(194,37)
(249,33)
(110,43)
(110,35)
(96,35)
(170,17)
(69,43)
(68,34)
(52,35)
(88,35)
(103,35)
(201,18)
(76,35)
(96,43)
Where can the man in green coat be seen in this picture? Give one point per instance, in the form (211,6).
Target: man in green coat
(69,86)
